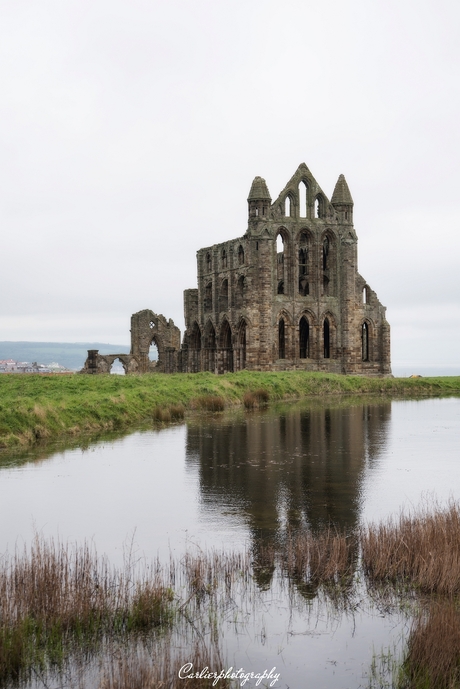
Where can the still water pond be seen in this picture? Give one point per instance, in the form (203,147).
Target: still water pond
(239,481)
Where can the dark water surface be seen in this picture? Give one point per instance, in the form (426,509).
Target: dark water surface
(241,480)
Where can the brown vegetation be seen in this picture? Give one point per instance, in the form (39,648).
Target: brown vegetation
(422,550)
(256,398)
(55,595)
(324,559)
(433,655)
(171,412)
(208,403)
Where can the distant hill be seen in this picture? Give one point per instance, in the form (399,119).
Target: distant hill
(69,354)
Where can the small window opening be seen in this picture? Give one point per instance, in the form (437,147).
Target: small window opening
(240,285)
(208,297)
(153,351)
(117,368)
(223,296)
(325,253)
(365,342)
(303,262)
(281,287)
(346,215)
(224,258)
(326,339)
(281,340)
(365,296)
(304,338)
(257,246)
(257,212)
(151,325)
(279,244)
(302,200)
(240,255)
(208,263)
(318,207)
(287,207)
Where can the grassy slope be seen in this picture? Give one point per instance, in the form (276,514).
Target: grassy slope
(34,407)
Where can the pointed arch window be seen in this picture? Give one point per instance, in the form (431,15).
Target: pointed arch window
(303,261)
(319,207)
(365,341)
(223,296)
(281,340)
(224,258)
(242,345)
(240,255)
(208,297)
(287,207)
(327,339)
(304,338)
(208,262)
(326,248)
(240,287)
(365,295)
(303,195)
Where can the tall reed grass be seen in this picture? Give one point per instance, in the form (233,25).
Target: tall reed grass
(54,596)
(422,550)
(432,659)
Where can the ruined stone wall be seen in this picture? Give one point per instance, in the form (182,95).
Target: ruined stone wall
(298,306)
(285,295)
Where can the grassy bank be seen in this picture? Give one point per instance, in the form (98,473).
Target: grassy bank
(37,407)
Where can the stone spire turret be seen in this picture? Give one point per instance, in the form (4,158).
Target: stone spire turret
(342,201)
(259,199)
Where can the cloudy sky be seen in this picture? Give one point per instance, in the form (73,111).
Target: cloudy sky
(130,132)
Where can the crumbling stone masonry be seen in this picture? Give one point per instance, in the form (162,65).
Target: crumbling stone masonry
(286,295)
(146,328)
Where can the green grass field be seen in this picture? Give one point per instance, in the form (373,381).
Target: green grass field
(34,407)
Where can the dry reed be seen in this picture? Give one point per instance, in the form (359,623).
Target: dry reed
(212,403)
(422,550)
(172,412)
(432,659)
(55,595)
(256,398)
(324,559)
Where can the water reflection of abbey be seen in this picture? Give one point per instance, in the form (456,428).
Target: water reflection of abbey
(304,467)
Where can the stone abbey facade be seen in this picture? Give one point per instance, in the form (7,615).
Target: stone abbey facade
(286,295)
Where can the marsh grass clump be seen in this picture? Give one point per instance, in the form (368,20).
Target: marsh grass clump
(432,659)
(326,559)
(213,403)
(422,550)
(161,414)
(55,598)
(253,399)
(172,412)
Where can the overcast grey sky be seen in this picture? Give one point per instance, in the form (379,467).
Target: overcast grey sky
(131,131)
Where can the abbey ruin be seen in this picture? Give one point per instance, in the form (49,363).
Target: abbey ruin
(286,295)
